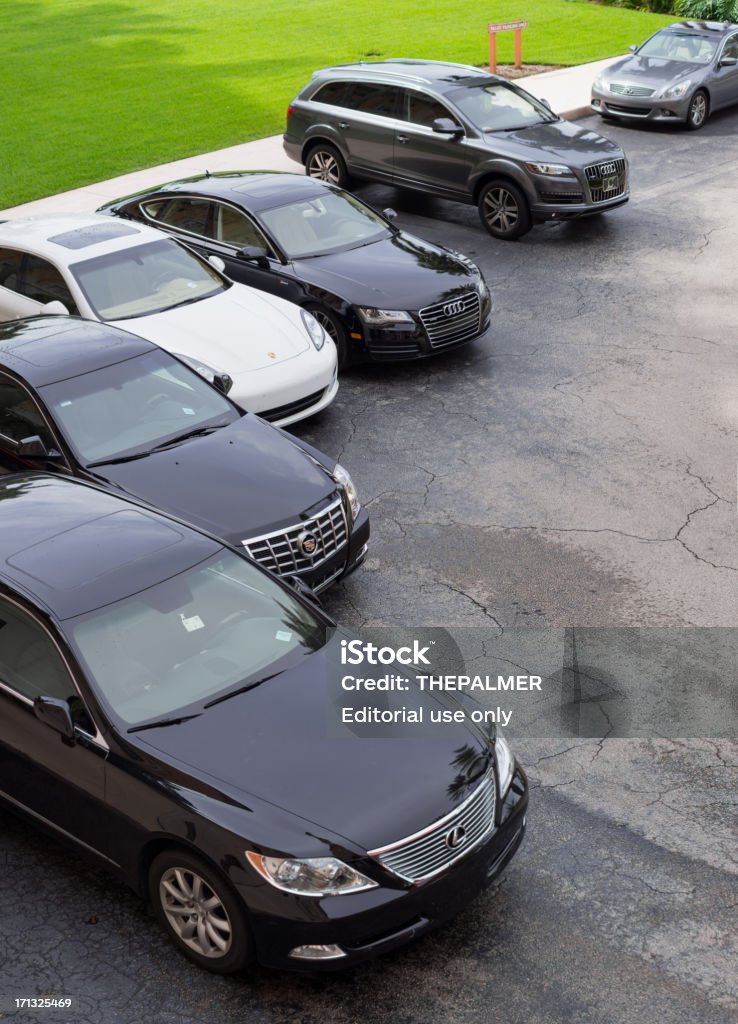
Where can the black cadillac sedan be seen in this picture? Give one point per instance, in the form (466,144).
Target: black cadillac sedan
(379,292)
(92,400)
(163,706)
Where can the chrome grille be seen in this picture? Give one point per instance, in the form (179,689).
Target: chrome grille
(455,320)
(631,90)
(606,180)
(282,551)
(425,854)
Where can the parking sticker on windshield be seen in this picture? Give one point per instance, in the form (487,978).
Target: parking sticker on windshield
(194,622)
(283,634)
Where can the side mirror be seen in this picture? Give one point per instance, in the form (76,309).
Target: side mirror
(217,263)
(632,48)
(56,308)
(445,126)
(545,102)
(303,589)
(389,213)
(728,62)
(34,448)
(56,714)
(254,254)
(223,382)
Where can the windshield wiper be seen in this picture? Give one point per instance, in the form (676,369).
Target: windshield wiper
(161,722)
(241,689)
(196,432)
(120,458)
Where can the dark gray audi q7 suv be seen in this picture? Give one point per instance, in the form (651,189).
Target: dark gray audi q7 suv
(457,132)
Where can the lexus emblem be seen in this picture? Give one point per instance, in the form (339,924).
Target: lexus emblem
(453,308)
(307,543)
(628,91)
(455,837)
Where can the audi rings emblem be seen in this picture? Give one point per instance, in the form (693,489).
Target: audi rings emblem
(455,837)
(608,169)
(307,543)
(453,308)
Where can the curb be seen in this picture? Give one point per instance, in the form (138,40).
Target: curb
(576,113)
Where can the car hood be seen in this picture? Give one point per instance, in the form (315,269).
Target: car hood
(274,743)
(398,272)
(238,330)
(651,71)
(564,140)
(241,481)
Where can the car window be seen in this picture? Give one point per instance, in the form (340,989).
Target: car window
(42,282)
(134,406)
(335,93)
(331,221)
(731,47)
(20,417)
(190,215)
(235,228)
(375,99)
(145,279)
(10,264)
(497,106)
(424,110)
(30,664)
(679,46)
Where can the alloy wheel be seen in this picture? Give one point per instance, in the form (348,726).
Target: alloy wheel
(323,165)
(195,912)
(501,210)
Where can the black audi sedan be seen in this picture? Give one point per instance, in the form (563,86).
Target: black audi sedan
(91,400)
(379,292)
(163,706)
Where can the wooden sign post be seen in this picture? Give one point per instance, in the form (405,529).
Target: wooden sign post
(506,26)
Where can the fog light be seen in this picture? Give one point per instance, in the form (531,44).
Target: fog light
(595,103)
(317,953)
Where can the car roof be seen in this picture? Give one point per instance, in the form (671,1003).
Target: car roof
(73,547)
(442,75)
(256,190)
(67,238)
(46,349)
(702,28)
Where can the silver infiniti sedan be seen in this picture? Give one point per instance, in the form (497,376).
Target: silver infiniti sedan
(682,73)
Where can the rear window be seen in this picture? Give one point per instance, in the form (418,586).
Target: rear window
(334,93)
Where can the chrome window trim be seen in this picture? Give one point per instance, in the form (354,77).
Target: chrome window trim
(97,738)
(54,433)
(162,225)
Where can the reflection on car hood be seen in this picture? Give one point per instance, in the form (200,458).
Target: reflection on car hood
(567,142)
(651,71)
(241,481)
(274,742)
(238,330)
(398,272)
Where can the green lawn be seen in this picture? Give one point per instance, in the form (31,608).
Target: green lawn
(91,90)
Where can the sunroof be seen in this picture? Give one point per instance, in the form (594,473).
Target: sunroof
(93,549)
(91,234)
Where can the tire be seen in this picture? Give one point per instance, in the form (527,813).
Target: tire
(214,936)
(335,329)
(503,210)
(326,163)
(699,108)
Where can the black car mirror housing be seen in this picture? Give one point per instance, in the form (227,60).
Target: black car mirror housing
(56,714)
(254,254)
(34,448)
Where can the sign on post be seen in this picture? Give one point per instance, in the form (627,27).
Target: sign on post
(506,26)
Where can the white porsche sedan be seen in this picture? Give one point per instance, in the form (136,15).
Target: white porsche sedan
(282,362)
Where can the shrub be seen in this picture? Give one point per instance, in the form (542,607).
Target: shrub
(708,10)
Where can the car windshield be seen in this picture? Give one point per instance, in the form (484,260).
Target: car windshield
(133,406)
(681,46)
(145,279)
(327,223)
(167,651)
(499,106)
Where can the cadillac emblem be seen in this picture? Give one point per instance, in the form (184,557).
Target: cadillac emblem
(307,543)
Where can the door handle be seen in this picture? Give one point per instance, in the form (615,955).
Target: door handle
(402,138)
(343,124)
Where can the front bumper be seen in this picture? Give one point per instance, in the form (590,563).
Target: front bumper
(575,196)
(639,108)
(408,341)
(367,924)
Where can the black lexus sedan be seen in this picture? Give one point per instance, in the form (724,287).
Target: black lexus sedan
(163,705)
(380,293)
(95,401)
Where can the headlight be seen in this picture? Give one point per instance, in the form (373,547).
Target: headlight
(482,288)
(310,876)
(316,332)
(344,481)
(551,170)
(673,92)
(505,764)
(599,82)
(383,317)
